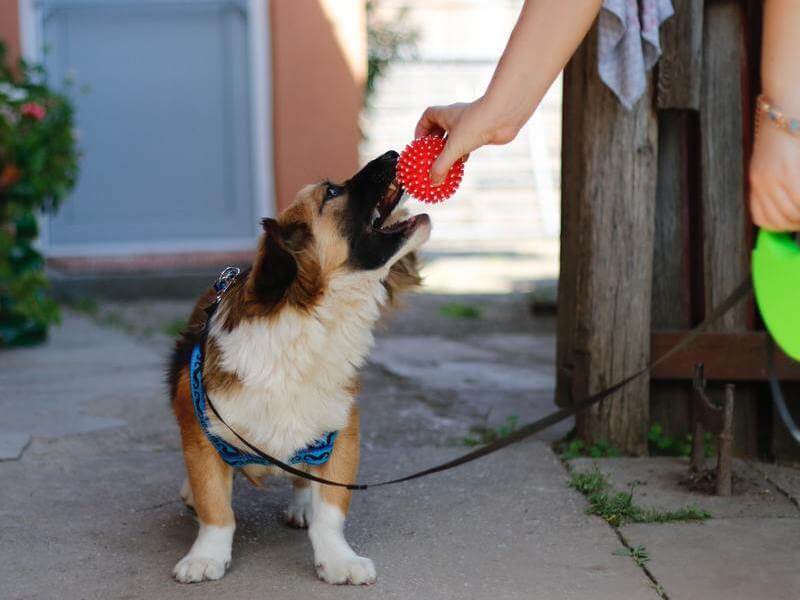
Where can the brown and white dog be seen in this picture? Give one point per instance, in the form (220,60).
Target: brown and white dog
(281,358)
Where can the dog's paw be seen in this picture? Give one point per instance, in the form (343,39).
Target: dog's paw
(298,515)
(355,570)
(191,568)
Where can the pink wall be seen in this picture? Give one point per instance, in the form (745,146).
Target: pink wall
(319,68)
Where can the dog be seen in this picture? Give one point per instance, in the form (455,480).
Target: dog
(281,355)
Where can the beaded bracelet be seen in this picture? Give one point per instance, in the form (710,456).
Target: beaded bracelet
(776,117)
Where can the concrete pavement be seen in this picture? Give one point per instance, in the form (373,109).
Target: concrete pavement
(90,509)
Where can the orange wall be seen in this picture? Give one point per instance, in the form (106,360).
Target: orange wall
(318,73)
(9,26)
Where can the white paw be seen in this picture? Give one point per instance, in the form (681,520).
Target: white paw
(355,570)
(191,568)
(298,515)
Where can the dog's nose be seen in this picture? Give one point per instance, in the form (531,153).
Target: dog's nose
(390,155)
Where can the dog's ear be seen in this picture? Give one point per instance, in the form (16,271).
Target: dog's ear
(276,267)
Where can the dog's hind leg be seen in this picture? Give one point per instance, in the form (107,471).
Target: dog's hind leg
(186,493)
(298,513)
(210,485)
(335,560)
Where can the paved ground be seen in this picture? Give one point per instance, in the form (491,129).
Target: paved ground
(90,508)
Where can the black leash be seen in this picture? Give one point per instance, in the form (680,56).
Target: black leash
(777,393)
(531,428)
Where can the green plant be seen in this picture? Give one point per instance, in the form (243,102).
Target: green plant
(618,508)
(389,37)
(660,444)
(600,449)
(38,168)
(639,554)
(457,310)
(486,435)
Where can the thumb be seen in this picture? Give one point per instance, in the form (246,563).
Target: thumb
(451,153)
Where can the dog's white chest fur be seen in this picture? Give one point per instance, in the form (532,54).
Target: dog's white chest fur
(296,368)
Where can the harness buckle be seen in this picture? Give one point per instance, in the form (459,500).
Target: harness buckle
(224,281)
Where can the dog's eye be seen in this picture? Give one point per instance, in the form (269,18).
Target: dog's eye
(333,191)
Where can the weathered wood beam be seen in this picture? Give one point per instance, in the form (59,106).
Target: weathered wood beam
(726,224)
(608,196)
(726,356)
(671,402)
(680,68)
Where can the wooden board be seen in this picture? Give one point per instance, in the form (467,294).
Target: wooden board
(726,223)
(726,356)
(680,68)
(608,196)
(671,402)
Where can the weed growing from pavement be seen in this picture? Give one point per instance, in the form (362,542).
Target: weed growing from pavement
(484,434)
(600,449)
(637,553)
(661,444)
(618,508)
(460,311)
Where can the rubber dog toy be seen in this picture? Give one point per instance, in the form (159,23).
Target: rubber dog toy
(414,170)
(776,280)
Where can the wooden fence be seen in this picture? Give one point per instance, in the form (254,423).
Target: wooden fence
(655,233)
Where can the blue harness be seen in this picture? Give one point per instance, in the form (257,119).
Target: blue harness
(315,454)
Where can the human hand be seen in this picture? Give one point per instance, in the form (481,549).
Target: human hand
(468,126)
(775,179)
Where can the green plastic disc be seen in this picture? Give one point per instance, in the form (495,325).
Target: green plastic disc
(776,279)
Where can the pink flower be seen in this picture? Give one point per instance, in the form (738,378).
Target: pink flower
(33,110)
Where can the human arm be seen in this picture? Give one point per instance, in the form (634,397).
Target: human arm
(775,165)
(543,40)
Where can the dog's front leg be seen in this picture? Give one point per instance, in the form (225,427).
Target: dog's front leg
(211,483)
(335,560)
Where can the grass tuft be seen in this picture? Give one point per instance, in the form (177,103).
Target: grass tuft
(460,311)
(618,508)
(600,449)
(486,435)
(639,554)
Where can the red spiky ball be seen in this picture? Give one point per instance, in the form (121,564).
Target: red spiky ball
(414,170)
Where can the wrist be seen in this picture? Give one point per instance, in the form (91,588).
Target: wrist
(503,119)
(769,112)
(784,95)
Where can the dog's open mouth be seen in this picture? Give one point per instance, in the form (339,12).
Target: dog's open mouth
(382,223)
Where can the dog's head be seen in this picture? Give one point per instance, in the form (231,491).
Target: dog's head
(334,229)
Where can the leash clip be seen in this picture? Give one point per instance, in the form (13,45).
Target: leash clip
(224,281)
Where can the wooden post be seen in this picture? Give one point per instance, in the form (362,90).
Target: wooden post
(608,197)
(725,446)
(680,71)
(680,68)
(726,224)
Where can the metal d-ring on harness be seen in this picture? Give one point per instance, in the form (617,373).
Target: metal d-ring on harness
(532,428)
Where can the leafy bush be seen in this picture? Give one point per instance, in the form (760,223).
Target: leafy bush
(38,168)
